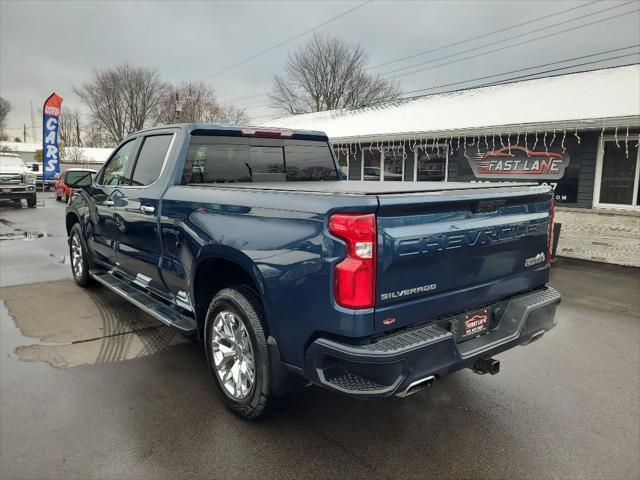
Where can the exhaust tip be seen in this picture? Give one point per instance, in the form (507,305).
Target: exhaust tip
(417,386)
(486,365)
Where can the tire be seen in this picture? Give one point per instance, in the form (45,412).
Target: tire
(245,309)
(31,201)
(78,253)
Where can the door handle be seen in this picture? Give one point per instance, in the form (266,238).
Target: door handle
(147,208)
(108,203)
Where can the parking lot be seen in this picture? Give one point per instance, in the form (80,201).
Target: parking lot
(91,387)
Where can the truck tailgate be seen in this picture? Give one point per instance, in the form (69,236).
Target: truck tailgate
(443,252)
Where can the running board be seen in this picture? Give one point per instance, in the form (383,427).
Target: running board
(146,302)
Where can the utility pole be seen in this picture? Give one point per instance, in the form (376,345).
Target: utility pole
(78,139)
(24,133)
(178,109)
(33,123)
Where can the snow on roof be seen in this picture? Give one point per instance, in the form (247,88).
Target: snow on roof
(91,155)
(580,98)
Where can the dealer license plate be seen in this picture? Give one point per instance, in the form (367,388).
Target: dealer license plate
(471,324)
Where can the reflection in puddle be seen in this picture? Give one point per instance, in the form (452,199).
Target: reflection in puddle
(78,326)
(19,235)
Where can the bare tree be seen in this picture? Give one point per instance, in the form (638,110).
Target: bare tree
(123,99)
(72,154)
(198,104)
(325,74)
(5,108)
(69,128)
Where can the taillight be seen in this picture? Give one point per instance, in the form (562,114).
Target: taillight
(355,276)
(552,214)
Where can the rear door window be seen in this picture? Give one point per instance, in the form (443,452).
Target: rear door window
(150,159)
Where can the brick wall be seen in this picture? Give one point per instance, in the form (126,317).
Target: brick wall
(599,235)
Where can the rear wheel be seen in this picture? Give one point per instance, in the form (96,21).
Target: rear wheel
(237,352)
(79,257)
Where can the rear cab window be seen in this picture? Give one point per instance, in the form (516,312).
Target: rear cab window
(227,159)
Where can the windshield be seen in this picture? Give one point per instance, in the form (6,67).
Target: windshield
(11,161)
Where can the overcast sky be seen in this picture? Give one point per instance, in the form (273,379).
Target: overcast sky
(52,46)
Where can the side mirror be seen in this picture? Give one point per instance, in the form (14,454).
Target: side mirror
(80,181)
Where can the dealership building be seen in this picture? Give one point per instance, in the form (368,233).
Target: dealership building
(577,132)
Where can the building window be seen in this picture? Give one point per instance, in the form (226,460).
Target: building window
(371,159)
(393,164)
(617,172)
(431,165)
(342,155)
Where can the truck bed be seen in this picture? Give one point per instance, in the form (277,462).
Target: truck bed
(348,187)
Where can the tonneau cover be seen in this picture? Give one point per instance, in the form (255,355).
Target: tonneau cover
(349,187)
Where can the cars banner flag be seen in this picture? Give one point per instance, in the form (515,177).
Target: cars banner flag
(50,123)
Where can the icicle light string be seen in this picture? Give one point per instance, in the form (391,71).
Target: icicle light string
(553,139)
(544,142)
(615,136)
(501,141)
(535,143)
(478,145)
(486,144)
(626,143)
(575,134)
(509,144)
(564,137)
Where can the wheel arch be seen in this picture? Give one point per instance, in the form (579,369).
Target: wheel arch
(217,270)
(71,218)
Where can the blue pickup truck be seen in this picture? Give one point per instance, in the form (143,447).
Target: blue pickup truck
(250,240)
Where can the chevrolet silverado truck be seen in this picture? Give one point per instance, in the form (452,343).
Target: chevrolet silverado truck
(250,240)
(17,182)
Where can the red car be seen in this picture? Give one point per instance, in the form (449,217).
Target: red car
(63,191)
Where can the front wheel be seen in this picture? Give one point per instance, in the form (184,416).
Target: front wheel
(31,201)
(79,259)
(237,352)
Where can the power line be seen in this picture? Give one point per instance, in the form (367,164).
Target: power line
(515,44)
(531,68)
(506,39)
(503,81)
(290,39)
(245,97)
(485,77)
(477,37)
(500,82)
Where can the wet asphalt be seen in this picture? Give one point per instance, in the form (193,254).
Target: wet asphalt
(567,406)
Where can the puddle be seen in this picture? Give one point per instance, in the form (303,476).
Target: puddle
(20,235)
(74,326)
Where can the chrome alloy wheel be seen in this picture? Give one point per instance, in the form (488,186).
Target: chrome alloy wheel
(76,256)
(233,355)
